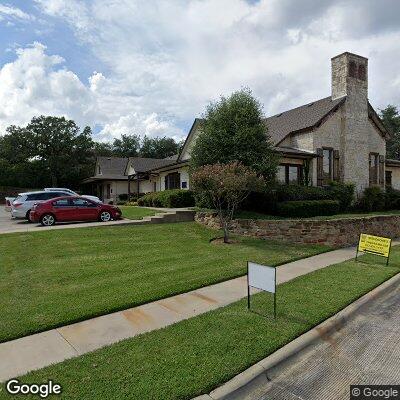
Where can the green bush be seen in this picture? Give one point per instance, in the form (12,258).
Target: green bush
(373,199)
(168,198)
(392,199)
(123,197)
(299,192)
(343,192)
(308,208)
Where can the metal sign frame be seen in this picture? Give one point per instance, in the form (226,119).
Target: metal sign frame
(248,286)
(374,252)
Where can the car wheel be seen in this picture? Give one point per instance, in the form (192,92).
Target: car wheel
(48,220)
(28,216)
(105,216)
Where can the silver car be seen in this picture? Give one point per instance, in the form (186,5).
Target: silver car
(93,198)
(24,202)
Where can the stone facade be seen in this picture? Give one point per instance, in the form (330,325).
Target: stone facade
(334,232)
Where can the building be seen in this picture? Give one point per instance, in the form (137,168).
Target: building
(337,138)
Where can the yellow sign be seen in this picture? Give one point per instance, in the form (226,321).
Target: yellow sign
(374,244)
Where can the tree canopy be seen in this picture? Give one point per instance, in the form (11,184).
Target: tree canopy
(234,130)
(391,119)
(54,151)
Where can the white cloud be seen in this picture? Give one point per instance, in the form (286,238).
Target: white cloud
(7,11)
(36,83)
(165,60)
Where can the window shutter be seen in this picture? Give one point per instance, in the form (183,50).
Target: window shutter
(320,160)
(381,170)
(336,171)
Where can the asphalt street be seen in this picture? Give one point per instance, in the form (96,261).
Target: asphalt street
(365,351)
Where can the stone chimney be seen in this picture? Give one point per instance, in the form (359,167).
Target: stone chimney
(349,76)
(350,79)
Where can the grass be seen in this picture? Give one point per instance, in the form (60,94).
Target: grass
(52,278)
(195,356)
(255,215)
(133,212)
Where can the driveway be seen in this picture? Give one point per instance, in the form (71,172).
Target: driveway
(9,225)
(365,351)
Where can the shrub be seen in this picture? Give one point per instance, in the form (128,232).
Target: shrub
(373,199)
(121,203)
(392,199)
(168,198)
(298,192)
(123,197)
(308,208)
(343,192)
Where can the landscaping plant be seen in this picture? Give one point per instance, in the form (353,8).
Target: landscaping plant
(225,186)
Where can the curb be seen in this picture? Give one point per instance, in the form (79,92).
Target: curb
(259,374)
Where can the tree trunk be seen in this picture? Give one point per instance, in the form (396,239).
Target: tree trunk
(226,233)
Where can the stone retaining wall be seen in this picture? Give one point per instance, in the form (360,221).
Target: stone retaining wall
(334,232)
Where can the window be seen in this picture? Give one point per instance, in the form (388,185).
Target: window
(61,203)
(108,191)
(327,165)
(388,178)
(82,203)
(173,181)
(98,170)
(373,168)
(184,185)
(290,173)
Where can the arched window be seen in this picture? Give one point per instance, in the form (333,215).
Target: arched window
(352,69)
(361,72)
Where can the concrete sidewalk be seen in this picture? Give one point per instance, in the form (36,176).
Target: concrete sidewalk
(20,356)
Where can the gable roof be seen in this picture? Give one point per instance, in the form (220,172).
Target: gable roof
(299,118)
(113,166)
(141,164)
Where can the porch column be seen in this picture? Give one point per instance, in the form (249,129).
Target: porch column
(129,187)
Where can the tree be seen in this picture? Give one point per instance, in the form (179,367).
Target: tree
(225,186)
(159,147)
(65,153)
(103,149)
(234,130)
(391,119)
(127,146)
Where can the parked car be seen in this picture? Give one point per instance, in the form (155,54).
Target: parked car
(71,208)
(94,198)
(24,202)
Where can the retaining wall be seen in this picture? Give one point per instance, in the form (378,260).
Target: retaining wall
(333,232)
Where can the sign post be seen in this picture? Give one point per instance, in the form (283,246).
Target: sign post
(380,246)
(261,277)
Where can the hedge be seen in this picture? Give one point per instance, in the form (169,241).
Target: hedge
(267,201)
(168,198)
(308,208)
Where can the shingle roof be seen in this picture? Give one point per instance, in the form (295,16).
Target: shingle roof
(141,164)
(294,151)
(303,117)
(114,166)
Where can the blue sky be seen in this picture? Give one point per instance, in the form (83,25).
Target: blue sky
(134,66)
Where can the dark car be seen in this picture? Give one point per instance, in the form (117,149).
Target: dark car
(73,208)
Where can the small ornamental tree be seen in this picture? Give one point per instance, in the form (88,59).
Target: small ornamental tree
(225,186)
(234,129)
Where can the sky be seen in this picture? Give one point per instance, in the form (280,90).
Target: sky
(151,67)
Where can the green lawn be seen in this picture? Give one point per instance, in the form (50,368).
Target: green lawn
(132,212)
(55,277)
(255,215)
(194,356)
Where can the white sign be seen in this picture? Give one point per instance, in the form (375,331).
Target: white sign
(262,277)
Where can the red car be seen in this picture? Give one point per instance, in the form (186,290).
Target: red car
(71,208)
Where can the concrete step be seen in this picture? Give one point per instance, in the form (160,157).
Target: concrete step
(170,217)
